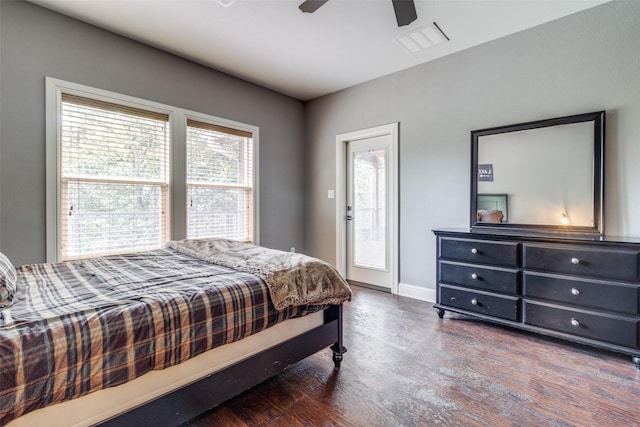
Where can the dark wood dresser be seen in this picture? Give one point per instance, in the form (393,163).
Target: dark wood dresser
(585,290)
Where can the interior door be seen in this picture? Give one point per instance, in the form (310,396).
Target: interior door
(368,207)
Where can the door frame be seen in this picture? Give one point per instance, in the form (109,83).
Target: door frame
(341,196)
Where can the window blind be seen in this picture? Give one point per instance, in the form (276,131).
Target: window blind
(219,182)
(114,178)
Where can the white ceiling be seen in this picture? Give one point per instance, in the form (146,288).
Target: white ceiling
(344,43)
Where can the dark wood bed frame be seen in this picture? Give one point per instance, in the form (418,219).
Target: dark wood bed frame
(194,399)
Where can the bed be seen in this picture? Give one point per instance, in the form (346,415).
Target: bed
(158,336)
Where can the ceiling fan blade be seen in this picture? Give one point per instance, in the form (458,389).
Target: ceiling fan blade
(310,6)
(405,11)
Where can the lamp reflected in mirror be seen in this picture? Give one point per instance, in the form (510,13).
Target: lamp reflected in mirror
(564,219)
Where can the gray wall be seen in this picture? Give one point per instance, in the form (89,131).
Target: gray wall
(36,42)
(586,62)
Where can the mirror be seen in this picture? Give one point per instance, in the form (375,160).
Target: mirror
(545,175)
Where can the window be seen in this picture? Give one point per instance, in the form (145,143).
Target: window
(126,174)
(113,178)
(219,182)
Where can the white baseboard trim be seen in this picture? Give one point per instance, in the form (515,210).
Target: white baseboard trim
(416,292)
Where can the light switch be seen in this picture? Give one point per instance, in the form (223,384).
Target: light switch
(330,194)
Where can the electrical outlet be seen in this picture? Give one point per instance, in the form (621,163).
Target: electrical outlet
(293,250)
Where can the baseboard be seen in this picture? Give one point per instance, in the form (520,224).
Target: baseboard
(417,292)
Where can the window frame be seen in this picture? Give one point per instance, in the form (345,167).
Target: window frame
(251,220)
(77,108)
(178,203)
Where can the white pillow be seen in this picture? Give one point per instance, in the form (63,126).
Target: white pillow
(7,281)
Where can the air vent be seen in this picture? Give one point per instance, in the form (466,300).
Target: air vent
(422,38)
(225,3)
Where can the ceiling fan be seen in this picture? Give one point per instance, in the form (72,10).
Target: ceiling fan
(405,10)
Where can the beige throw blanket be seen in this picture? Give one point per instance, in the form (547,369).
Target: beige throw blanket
(293,279)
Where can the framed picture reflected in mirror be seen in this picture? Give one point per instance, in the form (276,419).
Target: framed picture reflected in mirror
(492,208)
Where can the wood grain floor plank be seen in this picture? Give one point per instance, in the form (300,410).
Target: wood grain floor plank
(407,367)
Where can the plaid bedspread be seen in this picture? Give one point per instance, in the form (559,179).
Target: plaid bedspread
(85,325)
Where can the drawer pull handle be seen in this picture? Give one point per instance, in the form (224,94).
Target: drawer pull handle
(474,276)
(574,322)
(474,251)
(474,301)
(575,261)
(575,291)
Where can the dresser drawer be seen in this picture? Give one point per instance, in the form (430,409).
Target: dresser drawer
(618,330)
(493,279)
(501,306)
(598,294)
(479,251)
(577,260)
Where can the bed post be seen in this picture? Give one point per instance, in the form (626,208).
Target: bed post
(335,313)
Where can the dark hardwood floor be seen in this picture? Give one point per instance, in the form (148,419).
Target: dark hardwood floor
(407,367)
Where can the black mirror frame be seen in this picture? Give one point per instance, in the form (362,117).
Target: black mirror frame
(598,118)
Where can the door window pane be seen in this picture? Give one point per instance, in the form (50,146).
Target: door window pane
(370,209)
